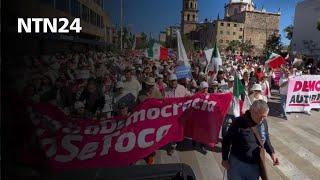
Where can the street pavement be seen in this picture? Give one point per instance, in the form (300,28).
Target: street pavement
(296,142)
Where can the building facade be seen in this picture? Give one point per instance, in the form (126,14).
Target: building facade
(306,36)
(95,22)
(162,37)
(189,16)
(242,22)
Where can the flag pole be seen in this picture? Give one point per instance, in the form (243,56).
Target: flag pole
(121,24)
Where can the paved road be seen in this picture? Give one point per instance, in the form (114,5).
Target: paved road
(296,141)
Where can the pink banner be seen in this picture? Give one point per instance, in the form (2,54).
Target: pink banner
(303,93)
(70,144)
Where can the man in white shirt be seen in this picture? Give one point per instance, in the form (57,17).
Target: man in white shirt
(131,85)
(283,83)
(174,89)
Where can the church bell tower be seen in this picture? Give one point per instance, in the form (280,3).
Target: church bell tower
(189,16)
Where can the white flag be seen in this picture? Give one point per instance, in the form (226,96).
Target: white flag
(182,55)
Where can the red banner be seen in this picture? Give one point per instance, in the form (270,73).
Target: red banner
(70,144)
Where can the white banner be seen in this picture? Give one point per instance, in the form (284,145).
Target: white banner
(303,93)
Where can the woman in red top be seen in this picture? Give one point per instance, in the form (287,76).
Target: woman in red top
(259,74)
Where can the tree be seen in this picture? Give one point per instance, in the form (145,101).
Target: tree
(233,46)
(246,47)
(289,31)
(273,44)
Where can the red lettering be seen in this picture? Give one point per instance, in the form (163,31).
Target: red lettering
(317,86)
(311,85)
(305,87)
(297,86)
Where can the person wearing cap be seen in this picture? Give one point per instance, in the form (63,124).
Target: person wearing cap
(174,89)
(221,77)
(130,84)
(204,87)
(160,84)
(119,91)
(230,83)
(149,90)
(245,81)
(214,86)
(256,94)
(240,148)
(284,83)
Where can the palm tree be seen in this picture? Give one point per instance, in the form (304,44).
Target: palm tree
(289,31)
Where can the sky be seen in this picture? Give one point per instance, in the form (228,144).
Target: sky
(153,16)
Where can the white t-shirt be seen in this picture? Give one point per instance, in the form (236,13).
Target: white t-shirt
(283,90)
(132,87)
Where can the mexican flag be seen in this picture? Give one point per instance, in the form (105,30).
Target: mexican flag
(216,61)
(156,51)
(275,60)
(238,90)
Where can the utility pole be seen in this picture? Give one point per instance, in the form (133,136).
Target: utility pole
(121,24)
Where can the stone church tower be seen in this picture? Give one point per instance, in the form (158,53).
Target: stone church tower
(189,16)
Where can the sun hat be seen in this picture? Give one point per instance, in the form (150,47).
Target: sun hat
(256,87)
(203,85)
(150,81)
(173,77)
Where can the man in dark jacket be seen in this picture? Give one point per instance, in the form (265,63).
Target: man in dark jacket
(240,147)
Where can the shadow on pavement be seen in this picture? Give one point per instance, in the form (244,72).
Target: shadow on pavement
(275,109)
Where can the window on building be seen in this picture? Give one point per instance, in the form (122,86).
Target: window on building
(194,17)
(240,37)
(241,29)
(235,25)
(195,5)
(228,32)
(93,17)
(62,5)
(85,13)
(191,5)
(102,23)
(188,17)
(222,24)
(228,24)
(221,41)
(221,32)
(235,11)
(75,8)
(227,41)
(234,33)
(186,5)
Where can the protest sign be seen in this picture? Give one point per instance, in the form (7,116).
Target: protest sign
(183,72)
(303,93)
(121,141)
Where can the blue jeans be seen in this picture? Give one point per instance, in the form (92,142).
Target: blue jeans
(283,104)
(242,171)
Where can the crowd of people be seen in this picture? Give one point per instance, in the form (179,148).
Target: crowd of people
(97,85)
